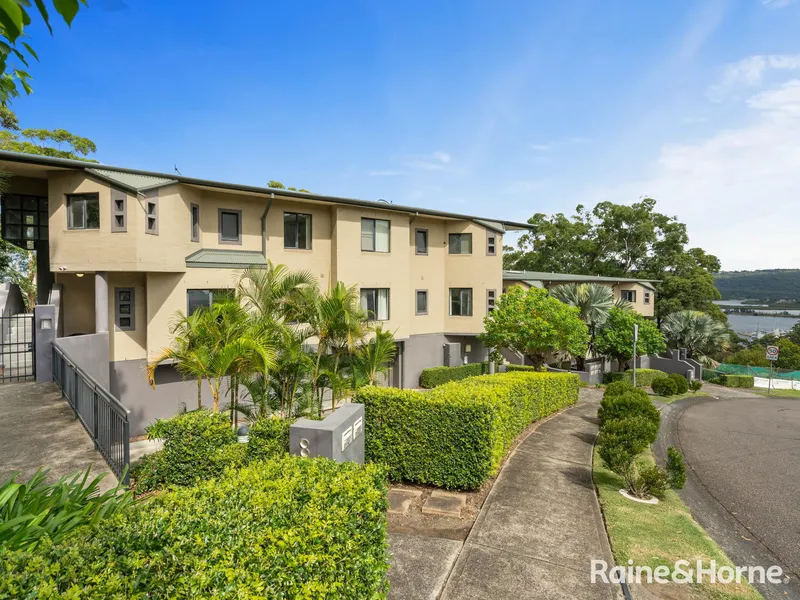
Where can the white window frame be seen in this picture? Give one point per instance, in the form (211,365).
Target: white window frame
(373,315)
(461,292)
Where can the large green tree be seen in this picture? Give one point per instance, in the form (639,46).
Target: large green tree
(534,324)
(615,338)
(619,240)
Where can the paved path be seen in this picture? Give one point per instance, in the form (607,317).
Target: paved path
(541,525)
(743,454)
(38,428)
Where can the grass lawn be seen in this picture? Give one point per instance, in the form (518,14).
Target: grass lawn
(776,393)
(671,399)
(660,535)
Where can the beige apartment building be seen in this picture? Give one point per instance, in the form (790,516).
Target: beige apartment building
(120,251)
(640,293)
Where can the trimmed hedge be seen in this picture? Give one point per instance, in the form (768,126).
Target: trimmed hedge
(269,437)
(644,377)
(665,386)
(455,436)
(681,383)
(285,528)
(740,381)
(613,376)
(632,403)
(523,368)
(436,376)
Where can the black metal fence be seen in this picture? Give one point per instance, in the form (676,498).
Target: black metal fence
(17,348)
(103,416)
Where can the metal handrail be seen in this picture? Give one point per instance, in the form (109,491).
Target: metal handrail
(102,415)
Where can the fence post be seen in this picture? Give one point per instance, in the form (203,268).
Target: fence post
(126,436)
(94,416)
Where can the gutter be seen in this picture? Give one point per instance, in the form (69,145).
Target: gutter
(264,225)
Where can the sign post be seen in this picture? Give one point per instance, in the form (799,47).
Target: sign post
(772,356)
(635,339)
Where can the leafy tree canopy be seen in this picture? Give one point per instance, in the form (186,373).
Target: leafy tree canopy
(615,338)
(618,240)
(58,143)
(535,324)
(277,185)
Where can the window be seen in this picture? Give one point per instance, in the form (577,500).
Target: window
(460,302)
(151,207)
(376,302)
(491,296)
(422,302)
(24,219)
(421,241)
(124,309)
(83,211)
(460,243)
(230,226)
(119,205)
(491,245)
(629,295)
(374,235)
(647,297)
(195,222)
(297,231)
(197,299)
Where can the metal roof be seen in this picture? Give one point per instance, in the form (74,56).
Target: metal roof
(530,277)
(225,259)
(65,163)
(130,181)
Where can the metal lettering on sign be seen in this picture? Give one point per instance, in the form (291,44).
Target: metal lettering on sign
(347,437)
(357,427)
(772,352)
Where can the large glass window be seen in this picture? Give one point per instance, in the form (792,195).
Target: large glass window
(460,302)
(375,235)
(83,211)
(629,295)
(297,231)
(376,302)
(460,243)
(230,226)
(199,299)
(421,241)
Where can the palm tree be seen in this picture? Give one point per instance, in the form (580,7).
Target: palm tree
(267,291)
(696,331)
(594,301)
(374,357)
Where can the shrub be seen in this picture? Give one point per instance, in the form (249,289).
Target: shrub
(648,481)
(634,403)
(622,440)
(525,368)
(269,437)
(149,472)
(232,456)
(664,386)
(35,511)
(617,388)
(676,470)
(681,383)
(190,442)
(285,528)
(436,376)
(644,377)
(739,381)
(613,376)
(456,435)
(695,385)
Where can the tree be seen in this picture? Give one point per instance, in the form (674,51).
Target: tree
(535,324)
(619,240)
(615,338)
(698,332)
(374,357)
(14,17)
(277,185)
(794,333)
(593,301)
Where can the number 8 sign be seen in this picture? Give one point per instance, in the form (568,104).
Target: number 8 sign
(772,352)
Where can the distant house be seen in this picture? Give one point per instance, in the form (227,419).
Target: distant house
(641,293)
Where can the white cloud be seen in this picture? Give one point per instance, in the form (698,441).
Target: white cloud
(435,161)
(736,190)
(777,3)
(750,72)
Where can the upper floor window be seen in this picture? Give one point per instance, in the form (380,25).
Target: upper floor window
(460,243)
(421,302)
(491,298)
(421,241)
(119,217)
(83,211)
(195,222)
(647,297)
(124,309)
(376,302)
(491,245)
(296,231)
(199,299)
(460,302)
(628,295)
(151,223)
(230,226)
(375,235)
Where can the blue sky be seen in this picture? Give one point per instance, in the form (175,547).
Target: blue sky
(501,108)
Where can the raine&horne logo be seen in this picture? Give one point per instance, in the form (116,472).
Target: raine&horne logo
(684,572)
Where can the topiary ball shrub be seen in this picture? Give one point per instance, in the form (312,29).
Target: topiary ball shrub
(681,383)
(622,440)
(696,385)
(664,386)
(618,388)
(676,470)
(634,403)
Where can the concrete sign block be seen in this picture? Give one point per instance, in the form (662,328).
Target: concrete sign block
(339,436)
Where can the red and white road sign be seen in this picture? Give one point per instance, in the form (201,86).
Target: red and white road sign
(772,352)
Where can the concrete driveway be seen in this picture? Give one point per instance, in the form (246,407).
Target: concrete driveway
(39,429)
(743,461)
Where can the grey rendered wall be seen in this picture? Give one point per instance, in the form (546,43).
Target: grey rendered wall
(90,353)
(11,302)
(477,353)
(421,352)
(171,395)
(44,341)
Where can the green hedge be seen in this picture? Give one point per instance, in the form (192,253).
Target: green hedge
(644,377)
(456,435)
(285,528)
(681,383)
(436,376)
(524,368)
(740,381)
(269,437)
(665,386)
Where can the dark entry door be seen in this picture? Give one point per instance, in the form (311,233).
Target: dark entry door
(17,348)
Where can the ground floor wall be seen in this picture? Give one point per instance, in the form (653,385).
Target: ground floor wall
(428,350)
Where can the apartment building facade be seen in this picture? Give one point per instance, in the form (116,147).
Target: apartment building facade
(122,251)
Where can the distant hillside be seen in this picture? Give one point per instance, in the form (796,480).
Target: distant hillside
(777,284)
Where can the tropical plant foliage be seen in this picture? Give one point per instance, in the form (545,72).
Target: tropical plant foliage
(698,332)
(615,338)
